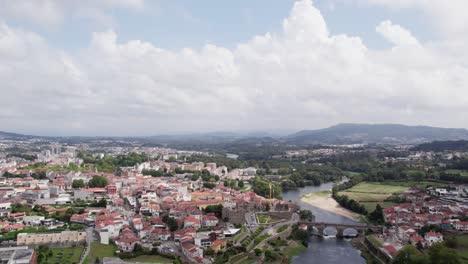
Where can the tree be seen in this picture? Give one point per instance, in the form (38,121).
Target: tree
(377,215)
(171,223)
(240,184)
(451,242)
(78,184)
(262,188)
(98,182)
(406,255)
(306,215)
(439,254)
(215,209)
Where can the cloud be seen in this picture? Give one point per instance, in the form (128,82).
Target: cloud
(301,76)
(52,13)
(449,17)
(396,34)
(46,12)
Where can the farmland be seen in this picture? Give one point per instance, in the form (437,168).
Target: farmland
(371,194)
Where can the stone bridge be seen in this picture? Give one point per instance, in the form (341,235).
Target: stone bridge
(341,230)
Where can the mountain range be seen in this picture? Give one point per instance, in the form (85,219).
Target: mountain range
(338,134)
(376,133)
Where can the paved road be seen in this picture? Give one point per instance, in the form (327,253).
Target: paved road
(89,238)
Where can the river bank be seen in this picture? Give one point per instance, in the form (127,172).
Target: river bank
(332,251)
(324,201)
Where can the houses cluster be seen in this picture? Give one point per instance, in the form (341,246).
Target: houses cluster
(176,214)
(425,207)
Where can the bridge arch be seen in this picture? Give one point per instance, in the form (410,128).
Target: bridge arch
(330,231)
(350,232)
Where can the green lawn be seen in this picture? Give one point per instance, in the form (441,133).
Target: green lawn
(266,219)
(375,241)
(352,173)
(370,194)
(463,247)
(377,188)
(64,255)
(293,249)
(365,197)
(282,228)
(237,258)
(461,172)
(370,206)
(100,251)
(151,259)
(244,231)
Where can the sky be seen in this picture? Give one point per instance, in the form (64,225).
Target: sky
(148,67)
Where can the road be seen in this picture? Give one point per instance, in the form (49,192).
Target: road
(89,239)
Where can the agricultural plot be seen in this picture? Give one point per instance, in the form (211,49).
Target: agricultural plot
(371,194)
(461,172)
(377,188)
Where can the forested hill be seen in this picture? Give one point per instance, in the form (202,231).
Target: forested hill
(440,146)
(377,133)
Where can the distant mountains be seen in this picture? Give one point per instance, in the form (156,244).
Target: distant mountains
(439,146)
(378,133)
(8,135)
(338,134)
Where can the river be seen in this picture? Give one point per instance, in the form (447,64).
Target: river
(324,250)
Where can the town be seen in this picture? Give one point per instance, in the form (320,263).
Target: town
(111,202)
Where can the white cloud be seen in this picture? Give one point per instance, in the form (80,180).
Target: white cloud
(298,77)
(448,16)
(51,13)
(396,34)
(46,12)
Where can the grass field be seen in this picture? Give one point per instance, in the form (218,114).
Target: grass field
(463,247)
(293,249)
(65,255)
(266,219)
(370,206)
(282,228)
(151,259)
(375,241)
(100,251)
(370,194)
(377,188)
(461,172)
(244,231)
(352,173)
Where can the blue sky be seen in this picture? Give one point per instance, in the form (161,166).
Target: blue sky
(146,67)
(177,24)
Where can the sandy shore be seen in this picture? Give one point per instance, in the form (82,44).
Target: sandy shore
(324,201)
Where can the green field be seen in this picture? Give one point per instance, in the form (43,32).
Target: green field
(267,219)
(370,194)
(370,206)
(100,251)
(282,228)
(461,172)
(293,249)
(352,173)
(377,188)
(151,259)
(244,231)
(64,255)
(463,247)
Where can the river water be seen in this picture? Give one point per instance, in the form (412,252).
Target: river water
(334,251)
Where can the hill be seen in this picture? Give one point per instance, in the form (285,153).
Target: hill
(376,133)
(440,146)
(8,135)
